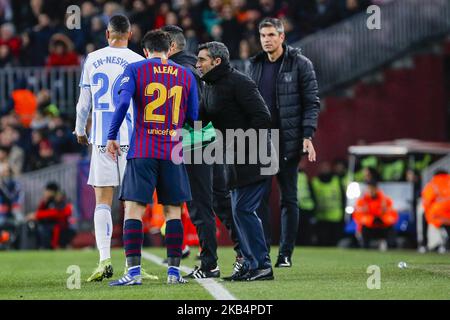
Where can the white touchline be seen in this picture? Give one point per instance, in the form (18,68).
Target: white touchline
(215,289)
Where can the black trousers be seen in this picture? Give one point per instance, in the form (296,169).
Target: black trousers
(222,205)
(369,234)
(287,181)
(206,201)
(329,233)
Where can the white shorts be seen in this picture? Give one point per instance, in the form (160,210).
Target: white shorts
(104,171)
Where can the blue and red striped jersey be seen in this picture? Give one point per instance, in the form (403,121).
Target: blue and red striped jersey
(165,95)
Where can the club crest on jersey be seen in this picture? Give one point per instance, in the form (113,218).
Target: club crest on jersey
(102,149)
(124,149)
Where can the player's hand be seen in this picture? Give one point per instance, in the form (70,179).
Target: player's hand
(113,149)
(83,140)
(309,148)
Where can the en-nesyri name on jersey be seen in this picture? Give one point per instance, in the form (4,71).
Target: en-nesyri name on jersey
(102,72)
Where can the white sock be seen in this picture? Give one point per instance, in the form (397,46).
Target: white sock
(103,230)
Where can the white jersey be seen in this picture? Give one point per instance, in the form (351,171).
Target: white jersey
(102,73)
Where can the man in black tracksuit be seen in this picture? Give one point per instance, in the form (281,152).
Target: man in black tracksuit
(287,82)
(231,101)
(207,181)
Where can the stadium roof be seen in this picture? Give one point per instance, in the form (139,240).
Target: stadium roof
(400,147)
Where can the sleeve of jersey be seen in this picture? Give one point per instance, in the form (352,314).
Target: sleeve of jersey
(192,109)
(84,78)
(83,109)
(126,92)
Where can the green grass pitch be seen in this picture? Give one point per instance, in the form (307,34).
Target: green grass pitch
(317,274)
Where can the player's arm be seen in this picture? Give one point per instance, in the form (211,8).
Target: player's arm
(83,107)
(193,103)
(126,92)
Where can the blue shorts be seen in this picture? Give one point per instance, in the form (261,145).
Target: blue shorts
(143,175)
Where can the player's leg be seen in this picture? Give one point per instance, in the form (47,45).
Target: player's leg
(103,177)
(133,237)
(137,188)
(103,227)
(174,242)
(172,196)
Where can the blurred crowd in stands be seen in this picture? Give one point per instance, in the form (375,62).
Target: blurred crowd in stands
(33,32)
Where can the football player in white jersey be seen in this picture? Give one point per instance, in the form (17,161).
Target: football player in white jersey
(100,79)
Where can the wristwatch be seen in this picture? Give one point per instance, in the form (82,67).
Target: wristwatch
(308,138)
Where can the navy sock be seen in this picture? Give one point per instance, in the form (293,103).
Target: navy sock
(174,240)
(133,237)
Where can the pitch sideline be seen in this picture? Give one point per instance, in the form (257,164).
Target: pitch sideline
(218,291)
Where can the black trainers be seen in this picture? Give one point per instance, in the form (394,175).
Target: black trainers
(240,271)
(200,273)
(260,274)
(283,262)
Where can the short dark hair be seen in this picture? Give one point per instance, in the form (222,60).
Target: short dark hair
(176,35)
(216,50)
(119,23)
(440,171)
(156,41)
(272,22)
(52,186)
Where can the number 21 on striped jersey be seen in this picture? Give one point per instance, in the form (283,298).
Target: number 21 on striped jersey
(175,92)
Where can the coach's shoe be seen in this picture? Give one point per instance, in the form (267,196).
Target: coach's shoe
(283,262)
(103,270)
(201,273)
(240,271)
(127,280)
(260,274)
(174,276)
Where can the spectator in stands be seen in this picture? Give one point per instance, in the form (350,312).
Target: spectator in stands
(143,14)
(135,41)
(270,8)
(315,15)
(60,136)
(436,202)
(347,8)
(230,27)
(98,28)
(11,214)
(23,102)
(211,15)
(9,139)
(42,153)
(6,58)
(53,219)
(160,19)
(37,45)
(62,52)
(9,38)
(375,217)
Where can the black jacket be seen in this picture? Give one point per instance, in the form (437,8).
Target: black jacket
(231,100)
(189,61)
(297,99)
